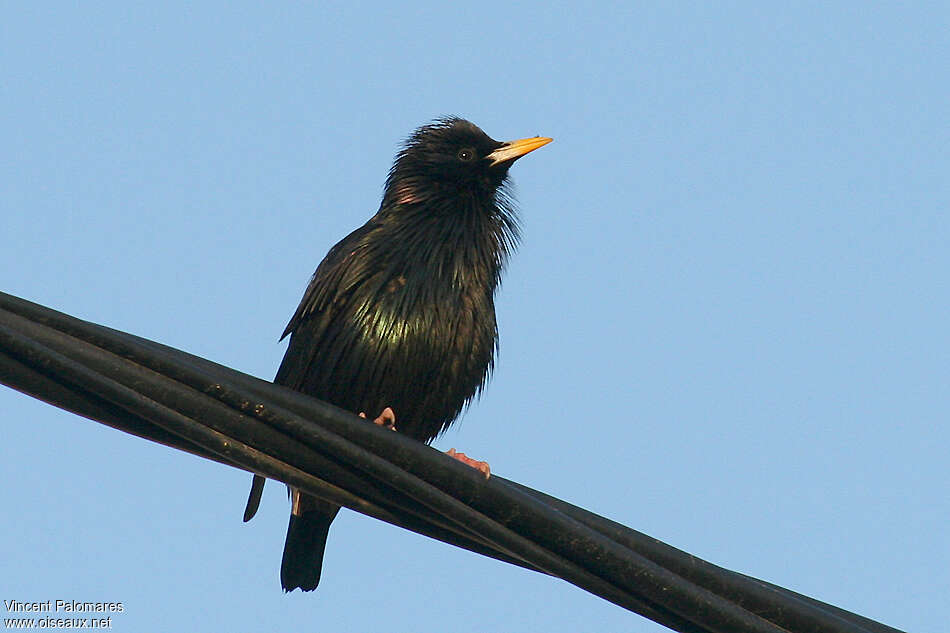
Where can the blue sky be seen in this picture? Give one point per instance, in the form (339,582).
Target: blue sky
(726,325)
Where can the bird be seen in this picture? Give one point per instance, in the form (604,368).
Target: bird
(399,317)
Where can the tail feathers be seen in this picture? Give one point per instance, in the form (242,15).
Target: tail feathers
(303,550)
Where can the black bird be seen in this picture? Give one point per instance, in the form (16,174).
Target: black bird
(399,317)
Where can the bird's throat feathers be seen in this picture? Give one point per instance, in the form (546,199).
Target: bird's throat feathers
(462,233)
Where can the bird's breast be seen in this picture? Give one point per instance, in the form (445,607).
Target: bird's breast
(432,345)
(431,315)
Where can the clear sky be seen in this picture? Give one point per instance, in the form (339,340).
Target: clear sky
(726,326)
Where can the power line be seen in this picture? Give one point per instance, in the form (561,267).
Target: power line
(186,402)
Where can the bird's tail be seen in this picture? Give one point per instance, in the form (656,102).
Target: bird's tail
(306,541)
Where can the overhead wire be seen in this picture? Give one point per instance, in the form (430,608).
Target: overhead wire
(192,404)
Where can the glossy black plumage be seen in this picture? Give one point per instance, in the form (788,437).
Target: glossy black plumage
(400,313)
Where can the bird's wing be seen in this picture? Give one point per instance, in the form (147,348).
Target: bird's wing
(335,276)
(319,319)
(254,497)
(320,294)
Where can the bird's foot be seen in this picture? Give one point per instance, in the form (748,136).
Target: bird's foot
(386,419)
(481,467)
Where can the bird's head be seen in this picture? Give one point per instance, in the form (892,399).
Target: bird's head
(452,157)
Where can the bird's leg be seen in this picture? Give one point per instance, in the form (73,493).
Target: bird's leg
(386,419)
(482,467)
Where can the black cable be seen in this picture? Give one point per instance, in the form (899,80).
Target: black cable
(187,402)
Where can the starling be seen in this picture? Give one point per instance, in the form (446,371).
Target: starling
(399,317)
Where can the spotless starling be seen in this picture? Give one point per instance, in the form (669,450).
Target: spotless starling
(399,318)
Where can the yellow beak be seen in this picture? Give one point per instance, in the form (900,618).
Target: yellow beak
(517,149)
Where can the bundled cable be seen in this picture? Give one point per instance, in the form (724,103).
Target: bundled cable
(192,404)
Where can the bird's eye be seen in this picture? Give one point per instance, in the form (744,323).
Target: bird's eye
(466,154)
